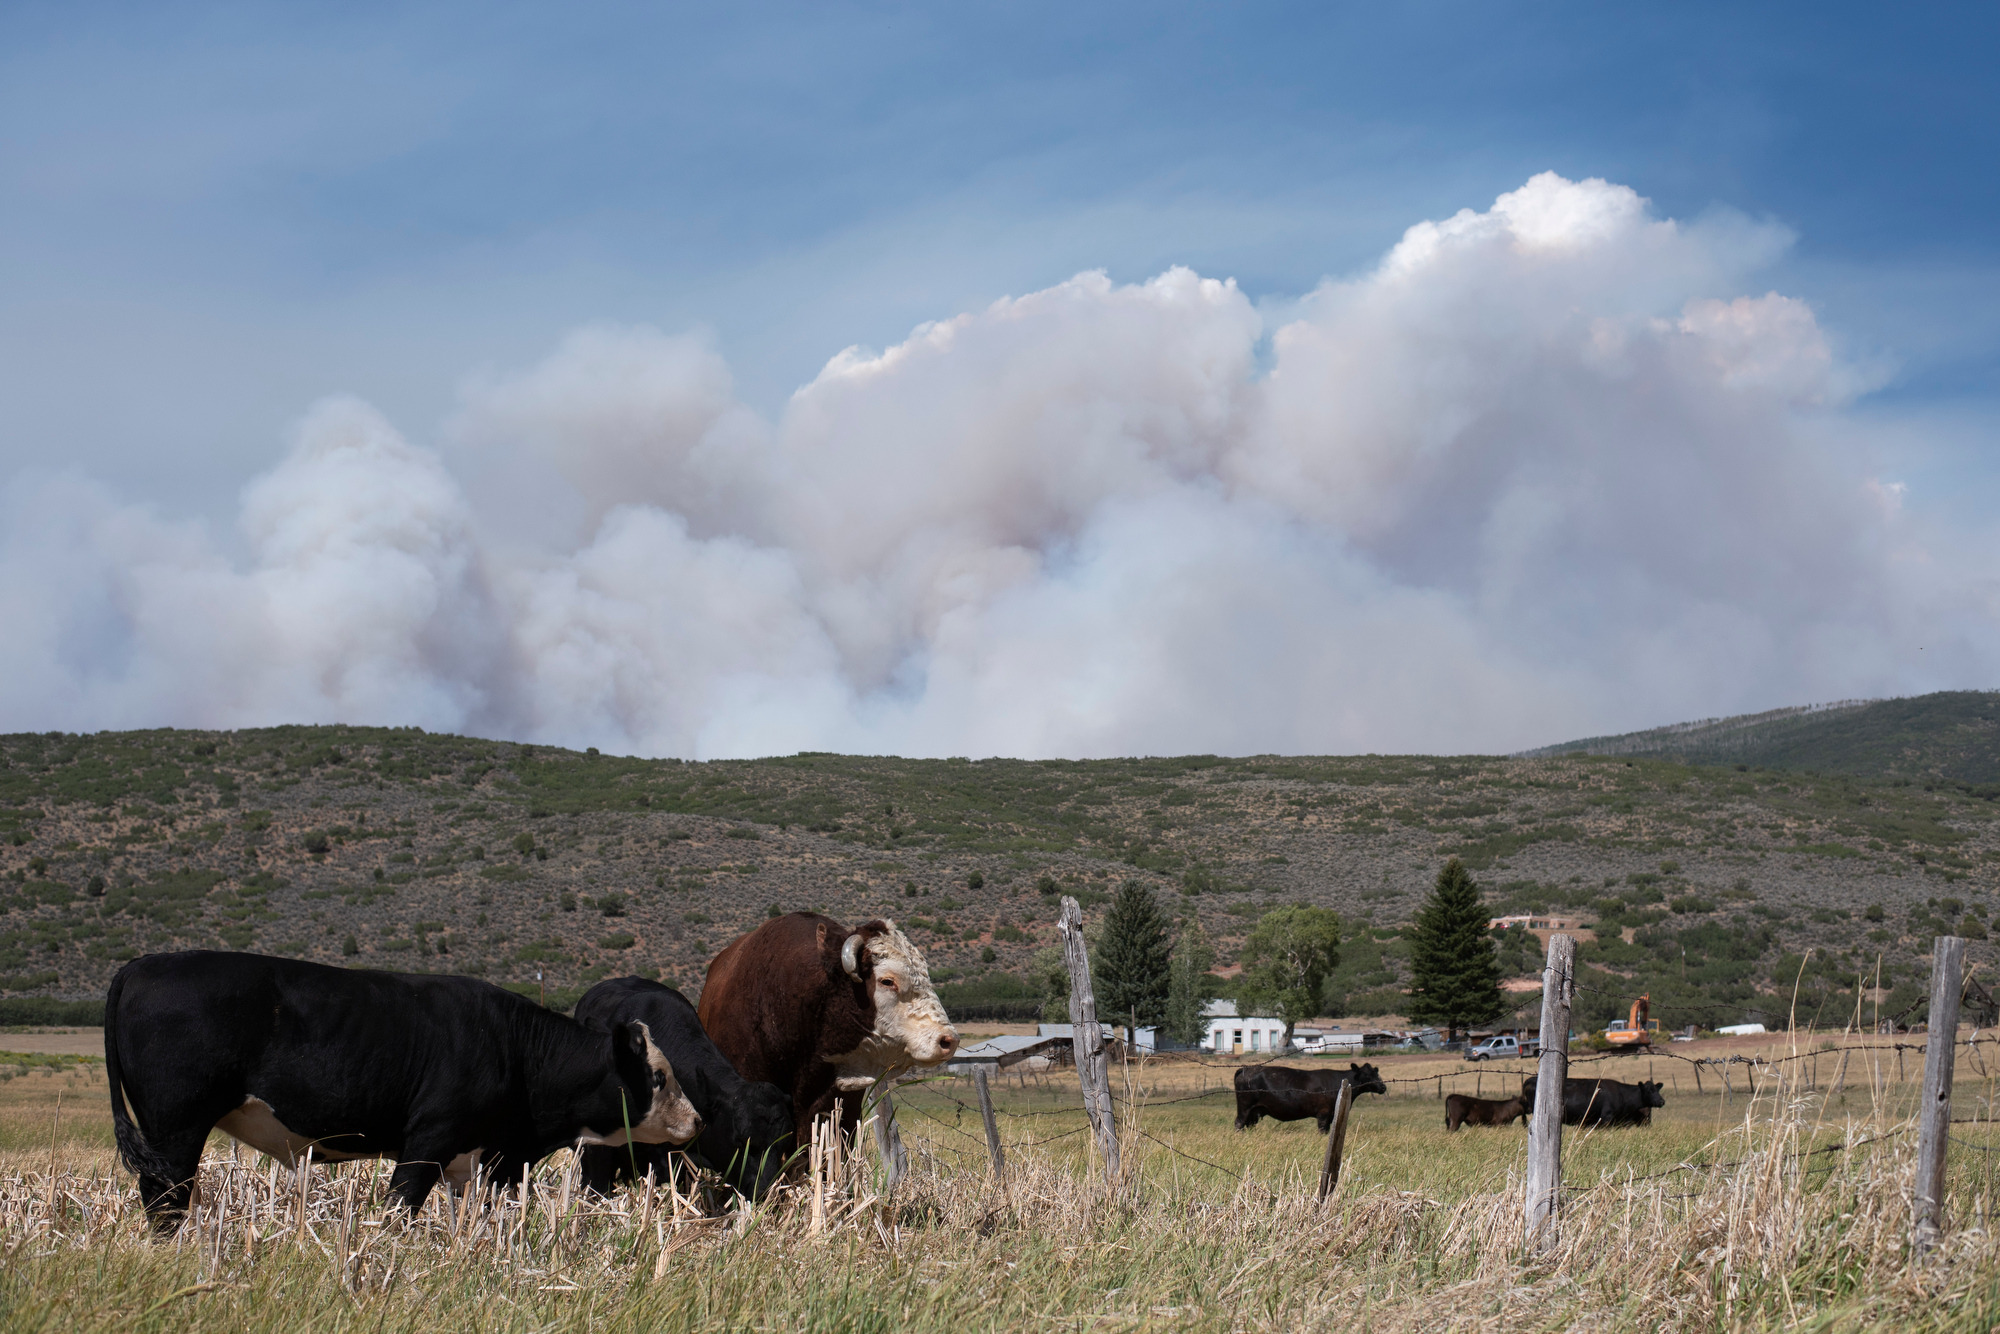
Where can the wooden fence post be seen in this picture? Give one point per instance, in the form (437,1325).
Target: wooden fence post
(1545,1136)
(1839,1072)
(1092,1070)
(1336,1140)
(1934,1126)
(889,1140)
(993,1148)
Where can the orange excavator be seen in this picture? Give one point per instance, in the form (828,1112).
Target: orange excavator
(1637,1033)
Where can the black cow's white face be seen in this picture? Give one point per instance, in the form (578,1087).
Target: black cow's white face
(666,1116)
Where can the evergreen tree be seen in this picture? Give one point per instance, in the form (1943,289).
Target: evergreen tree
(1189,988)
(1286,959)
(1454,974)
(1131,970)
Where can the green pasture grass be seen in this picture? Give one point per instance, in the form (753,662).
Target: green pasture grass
(1398,1142)
(61,1102)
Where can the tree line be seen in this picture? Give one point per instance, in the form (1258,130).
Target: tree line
(1150,975)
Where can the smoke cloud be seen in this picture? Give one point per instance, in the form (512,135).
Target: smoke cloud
(1549,469)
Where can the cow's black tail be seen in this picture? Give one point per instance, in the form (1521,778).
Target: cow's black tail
(139,1156)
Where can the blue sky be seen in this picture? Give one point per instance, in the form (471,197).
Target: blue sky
(213,216)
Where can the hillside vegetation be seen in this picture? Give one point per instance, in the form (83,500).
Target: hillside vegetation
(1719,888)
(1951,736)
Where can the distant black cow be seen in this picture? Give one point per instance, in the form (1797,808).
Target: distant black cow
(444,1074)
(1607,1102)
(1287,1094)
(1460,1110)
(746,1128)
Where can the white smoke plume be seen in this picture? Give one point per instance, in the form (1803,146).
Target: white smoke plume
(1547,470)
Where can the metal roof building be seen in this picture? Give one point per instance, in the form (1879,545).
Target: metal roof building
(1000,1053)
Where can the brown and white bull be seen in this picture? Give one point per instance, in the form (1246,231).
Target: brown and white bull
(823,1011)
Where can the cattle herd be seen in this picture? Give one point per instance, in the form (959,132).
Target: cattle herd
(457,1079)
(1285,1094)
(452,1076)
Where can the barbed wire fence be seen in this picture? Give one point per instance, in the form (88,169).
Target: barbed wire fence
(1852,1043)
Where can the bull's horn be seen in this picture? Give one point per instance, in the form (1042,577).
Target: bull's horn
(850,956)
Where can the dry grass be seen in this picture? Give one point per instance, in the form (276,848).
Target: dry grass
(1424,1233)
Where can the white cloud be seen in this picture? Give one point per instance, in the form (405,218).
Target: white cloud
(1546,470)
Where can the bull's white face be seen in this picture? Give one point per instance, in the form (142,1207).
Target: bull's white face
(909,1018)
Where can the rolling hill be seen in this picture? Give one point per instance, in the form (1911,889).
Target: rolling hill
(1719,888)
(1951,736)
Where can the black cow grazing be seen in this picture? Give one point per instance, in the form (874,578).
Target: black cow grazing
(746,1128)
(1602,1102)
(444,1074)
(1460,1110)
(1287,1094)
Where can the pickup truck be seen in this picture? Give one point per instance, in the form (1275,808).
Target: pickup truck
(1502,1048)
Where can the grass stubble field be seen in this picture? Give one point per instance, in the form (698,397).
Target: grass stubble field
(1788,1206)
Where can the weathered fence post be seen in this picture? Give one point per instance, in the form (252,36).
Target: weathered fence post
(1934,1125)
(888,1140)
(1840,1071)
(1336,1140)
(1545,1136)
(1545,1139)
(1092,1070)
(993,1149)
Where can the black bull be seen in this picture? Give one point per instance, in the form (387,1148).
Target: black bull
(444,1074)
(1287,1094)
(1608,1102)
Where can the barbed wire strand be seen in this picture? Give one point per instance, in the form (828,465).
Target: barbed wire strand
(1756,1062)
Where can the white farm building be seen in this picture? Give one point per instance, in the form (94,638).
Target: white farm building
(1230,1032)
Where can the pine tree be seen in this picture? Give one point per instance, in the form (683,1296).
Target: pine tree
(1131,971)
(1189,989)
(1288,955)
(1455,975)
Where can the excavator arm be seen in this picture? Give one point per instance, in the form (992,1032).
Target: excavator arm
(1638,1030)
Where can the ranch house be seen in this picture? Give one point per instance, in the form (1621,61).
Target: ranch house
(1539,925)
(1230,1032)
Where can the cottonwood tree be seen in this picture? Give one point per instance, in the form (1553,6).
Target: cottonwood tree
(1189,987)
(1455,976)
(1132,969)
(1286,960)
